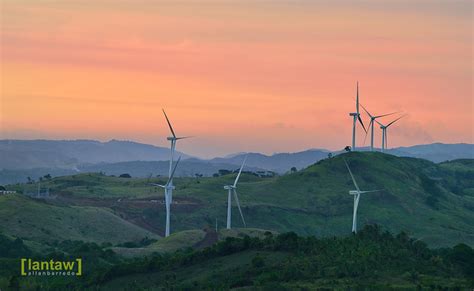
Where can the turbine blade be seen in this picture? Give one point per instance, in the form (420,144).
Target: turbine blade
(357,98)
(238,205)
(240,171)
(352,176)
(371,191)
(360,120)
(378,116)
(169,123)
(370,115)
(371,123)
(158,185)
(183,137)
(174,170)
(395,120)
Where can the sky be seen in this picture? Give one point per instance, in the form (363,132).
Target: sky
(260,76)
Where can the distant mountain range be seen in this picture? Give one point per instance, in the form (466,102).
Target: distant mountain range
(69,154)
(279,162)
(436,152)
(20,159)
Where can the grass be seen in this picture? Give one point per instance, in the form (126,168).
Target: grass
(176,241)
(42,223)
(313,201)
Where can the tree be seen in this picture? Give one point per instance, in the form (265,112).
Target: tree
(293,170)
(330,155)
(47,176)
(125,176)
(2,188)
(348,149)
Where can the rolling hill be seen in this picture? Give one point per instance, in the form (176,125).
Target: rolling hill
(433,202)
(69,154)
(279,162)
(44,223)
(20,159)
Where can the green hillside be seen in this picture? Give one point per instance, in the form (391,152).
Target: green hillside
(44,223)
(433,202)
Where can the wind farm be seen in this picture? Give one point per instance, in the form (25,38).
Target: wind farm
(196,145)
(306,202)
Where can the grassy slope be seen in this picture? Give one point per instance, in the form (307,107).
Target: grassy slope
(184,239)
(174,242)
(314,201)
(41,222)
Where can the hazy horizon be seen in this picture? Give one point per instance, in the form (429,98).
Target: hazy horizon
(166,145)
(241,76)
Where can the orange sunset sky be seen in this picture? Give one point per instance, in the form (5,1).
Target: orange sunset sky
(267,76)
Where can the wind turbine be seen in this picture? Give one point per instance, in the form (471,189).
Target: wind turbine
(173,140)
(371,126)
(356,116)
(168,192)
(384,131)
(232,189)
(356,194)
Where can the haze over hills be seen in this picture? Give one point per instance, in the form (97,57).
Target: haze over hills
(28,154)
(436,152)
(35,158)
(278,162)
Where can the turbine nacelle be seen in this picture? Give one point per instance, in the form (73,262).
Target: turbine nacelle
(354,192)
(230,187)
(172,138)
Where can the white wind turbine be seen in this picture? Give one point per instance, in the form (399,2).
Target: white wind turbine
(356,116)
(232,189)
(371,125)
(384,132)
(168,192)
(173,140)
(356,194)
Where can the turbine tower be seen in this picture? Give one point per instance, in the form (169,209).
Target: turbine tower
(168,192)
(356,116)
(173,139)
(356,194)
(371,126)
(384,132)
(232,189)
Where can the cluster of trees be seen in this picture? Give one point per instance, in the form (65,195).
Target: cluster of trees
(372,255)
(370,258)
